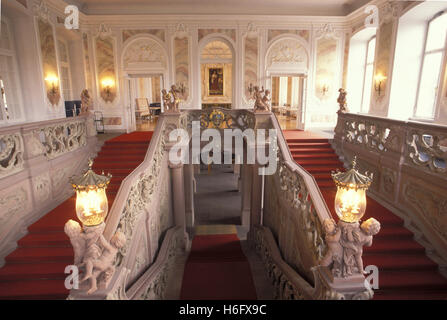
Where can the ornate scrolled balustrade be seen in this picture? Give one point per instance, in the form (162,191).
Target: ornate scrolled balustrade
(409,163)
(36,161)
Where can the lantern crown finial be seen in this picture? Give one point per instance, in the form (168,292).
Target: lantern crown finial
(351,178)
(90,180)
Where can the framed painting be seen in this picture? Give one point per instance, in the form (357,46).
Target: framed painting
(216,82)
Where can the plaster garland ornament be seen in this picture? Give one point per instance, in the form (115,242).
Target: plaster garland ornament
(93,253)
(180,30)
(327,31)
(262,102)
(104,31)
(252,30)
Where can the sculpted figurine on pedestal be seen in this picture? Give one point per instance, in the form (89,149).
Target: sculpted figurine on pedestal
(262,103)
(342,101)
(93,253)
(86,101)
(171,99)
(345,243)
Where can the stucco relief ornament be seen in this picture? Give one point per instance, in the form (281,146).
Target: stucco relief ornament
(104,31)
(341,100)
(41,10)
(181,31)
(93,254)
(262,102)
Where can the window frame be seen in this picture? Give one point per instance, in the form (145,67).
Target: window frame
(11,52)
(421,69)
(365,65)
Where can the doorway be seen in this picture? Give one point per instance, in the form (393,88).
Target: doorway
(287,100)
(145,103)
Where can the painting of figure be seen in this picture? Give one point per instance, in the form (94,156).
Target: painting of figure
(216,82)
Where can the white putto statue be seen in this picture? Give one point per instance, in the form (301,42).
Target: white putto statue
(345,243)
(93,253)
(262,102)
(171,99)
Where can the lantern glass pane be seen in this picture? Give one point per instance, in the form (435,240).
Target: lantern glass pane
(350,204)
(91,206)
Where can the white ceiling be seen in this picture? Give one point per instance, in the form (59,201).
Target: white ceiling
(224,7)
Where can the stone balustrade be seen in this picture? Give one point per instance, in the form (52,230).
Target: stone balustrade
(36,161)
(409,163)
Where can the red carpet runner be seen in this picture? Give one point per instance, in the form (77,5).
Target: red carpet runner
(217,269)
(35,270)
(405,272)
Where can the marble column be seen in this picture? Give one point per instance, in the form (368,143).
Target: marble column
(246,173)
(256,197)
(189,194)
(178,197)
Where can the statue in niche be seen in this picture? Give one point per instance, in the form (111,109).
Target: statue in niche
(262,102)
(342,101)
(86,101)
(171,99)
(93,253)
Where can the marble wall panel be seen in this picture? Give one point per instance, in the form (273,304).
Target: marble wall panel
(181,56)
(250,64)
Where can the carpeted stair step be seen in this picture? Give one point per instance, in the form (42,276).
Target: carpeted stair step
(44,254)
(320,169)
(114,151)
(404,261)
(54,239)
(305,140)
(41,289)
(309,145)
(121,157)
(405,245)
(323,156)
(312,151)
(29,271)
(318,162)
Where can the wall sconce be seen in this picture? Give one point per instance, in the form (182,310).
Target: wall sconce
(106,92)
(350,200)
(324,86)
(91,199)
(378,79)
(53,89)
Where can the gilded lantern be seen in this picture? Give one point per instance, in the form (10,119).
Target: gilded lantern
(91,199)
(350,200)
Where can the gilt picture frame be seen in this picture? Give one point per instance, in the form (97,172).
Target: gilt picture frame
(215,81)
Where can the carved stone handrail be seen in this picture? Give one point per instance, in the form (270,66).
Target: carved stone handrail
(36,161)
(409,163)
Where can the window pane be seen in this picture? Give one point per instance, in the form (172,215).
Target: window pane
(429,85)
(371,50)
(367,88)
(436,33)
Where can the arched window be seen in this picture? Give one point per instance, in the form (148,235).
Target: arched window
(362,47)
(10,93)
(429,76)
(368,73)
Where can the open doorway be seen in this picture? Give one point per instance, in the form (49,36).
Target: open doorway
(287,100)
(145,100)
(217,200)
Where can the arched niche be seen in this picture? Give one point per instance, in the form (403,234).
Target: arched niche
(143,56)
(288,56)
(226,60)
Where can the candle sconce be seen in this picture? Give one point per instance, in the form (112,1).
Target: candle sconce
(53,93)
(378,79)
(107,92)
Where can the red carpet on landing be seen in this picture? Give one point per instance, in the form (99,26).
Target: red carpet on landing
(35,270)
(405,272)
(217,269)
